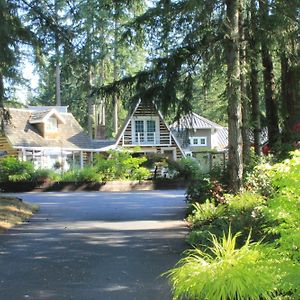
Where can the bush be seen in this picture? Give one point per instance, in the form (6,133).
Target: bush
(45,174)
(87,174)
(186,168)
(212,272)
(244,201)
(283,209)
(140,173)
(225,272)
(14,170)
(203,189)
(259,180)
(205,213)
(69,176)
(121,165)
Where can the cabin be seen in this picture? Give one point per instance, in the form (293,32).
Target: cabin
(50,137)
(202,139)
(146,132)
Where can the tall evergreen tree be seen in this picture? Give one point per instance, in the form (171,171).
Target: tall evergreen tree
(13,34)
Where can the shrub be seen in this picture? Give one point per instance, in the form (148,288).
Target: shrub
(203,189)
(259,180)
(225,272)
(45,174)
(87,174)
(140,173)
(282,211)
(12,169)
(69,176)
(199,190)
(244,201)
(205,213)
(186,168)
(121,165)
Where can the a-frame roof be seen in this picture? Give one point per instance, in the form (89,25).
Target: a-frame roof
(129,117)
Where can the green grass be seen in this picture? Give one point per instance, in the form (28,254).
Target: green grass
(13,211)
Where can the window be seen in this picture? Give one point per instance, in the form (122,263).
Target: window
(150,130)
(51,124)
(198,141)
(145,130)
(188,154)
(202,141)
(139,131)
(139,126)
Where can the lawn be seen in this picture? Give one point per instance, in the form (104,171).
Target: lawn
(14,211)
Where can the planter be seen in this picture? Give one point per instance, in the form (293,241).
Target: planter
(110,186)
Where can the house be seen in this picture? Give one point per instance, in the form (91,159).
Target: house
(201,138)
(50,137)
(146,132)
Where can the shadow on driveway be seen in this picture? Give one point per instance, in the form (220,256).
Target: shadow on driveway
(94,246)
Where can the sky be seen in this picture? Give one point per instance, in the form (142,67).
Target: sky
(28,74)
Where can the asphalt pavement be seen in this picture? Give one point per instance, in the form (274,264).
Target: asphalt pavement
(94,246)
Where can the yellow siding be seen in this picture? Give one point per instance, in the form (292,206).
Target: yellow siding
(5,146)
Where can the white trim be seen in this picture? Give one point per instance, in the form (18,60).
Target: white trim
(67,149)
(53,111)
(168,127)
(127,123)
(198,139)
(156,135)
(81,159)
(188,153)
(160,116)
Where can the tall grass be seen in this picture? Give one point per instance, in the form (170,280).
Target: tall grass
(225,272)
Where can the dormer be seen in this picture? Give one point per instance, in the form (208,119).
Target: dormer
(47,122)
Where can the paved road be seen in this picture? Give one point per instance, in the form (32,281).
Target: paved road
(94,245)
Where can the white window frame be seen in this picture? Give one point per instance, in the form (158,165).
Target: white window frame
(51,128)
(188,154)
(199,140)
(145,119)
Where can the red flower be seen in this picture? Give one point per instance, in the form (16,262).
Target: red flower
(297,127)
(266,149)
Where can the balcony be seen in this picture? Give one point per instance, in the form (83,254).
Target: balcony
(146,138)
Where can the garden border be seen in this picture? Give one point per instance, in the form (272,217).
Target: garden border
(109,186)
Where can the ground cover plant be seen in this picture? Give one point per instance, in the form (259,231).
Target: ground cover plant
(14,211)
(246,247)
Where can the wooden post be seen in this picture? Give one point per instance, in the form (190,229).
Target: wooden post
(81,159)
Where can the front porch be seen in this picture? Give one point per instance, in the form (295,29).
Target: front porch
(57,158)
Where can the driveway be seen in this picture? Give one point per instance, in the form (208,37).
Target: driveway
(94,245)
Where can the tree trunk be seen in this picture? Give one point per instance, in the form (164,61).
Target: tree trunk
(57,61)
(244,94)
(269,87)
(1,91)
(2,112)
(255,107)
(116,71)
(234,95)
(290,93)
(254,91)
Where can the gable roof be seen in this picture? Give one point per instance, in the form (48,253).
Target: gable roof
(43,115)
(22,133)
(130,115)
(126,123)
(194,121)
